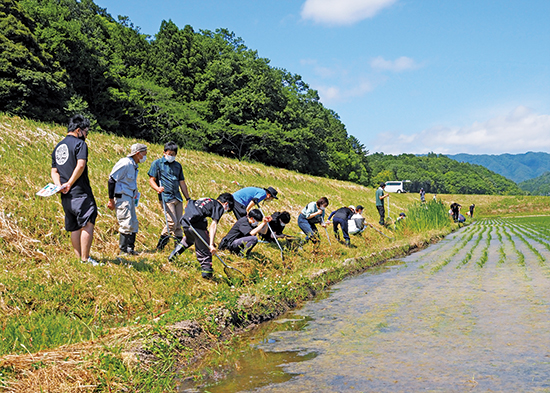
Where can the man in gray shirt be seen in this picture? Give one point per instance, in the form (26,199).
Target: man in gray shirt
(123,196)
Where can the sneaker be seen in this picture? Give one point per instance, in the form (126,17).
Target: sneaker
(93,262)
(207,274)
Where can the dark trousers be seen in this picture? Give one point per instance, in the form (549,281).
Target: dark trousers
(204,256)
(382,213)
(243,245)
(343,223)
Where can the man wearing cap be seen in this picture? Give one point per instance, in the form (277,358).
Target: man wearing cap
(70,171)
(247,197)
(123,196)
(380,196)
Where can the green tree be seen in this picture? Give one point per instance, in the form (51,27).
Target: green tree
(31,83)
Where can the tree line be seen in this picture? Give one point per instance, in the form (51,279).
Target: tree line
(205,90)
(439,174)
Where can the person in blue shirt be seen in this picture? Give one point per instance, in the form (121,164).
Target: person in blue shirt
(123,196)
(246,198)
(166,178)
(312,214)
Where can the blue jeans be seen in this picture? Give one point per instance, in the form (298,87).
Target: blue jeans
(307,227)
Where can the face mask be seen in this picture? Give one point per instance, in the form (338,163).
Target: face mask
(282,224)
(170,159)
(254,223)
(82,135)
(142,160)
(322,208)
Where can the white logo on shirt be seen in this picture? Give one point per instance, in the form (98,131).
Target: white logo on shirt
(61,154)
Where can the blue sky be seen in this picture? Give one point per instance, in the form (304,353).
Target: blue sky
(405,76)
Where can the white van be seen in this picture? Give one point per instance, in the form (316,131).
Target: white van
(396,186)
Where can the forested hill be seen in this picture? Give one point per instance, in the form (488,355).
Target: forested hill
(205,90)
(517,167)
(440,174)
(538,186)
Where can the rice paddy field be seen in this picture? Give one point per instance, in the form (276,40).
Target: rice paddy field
(469,313)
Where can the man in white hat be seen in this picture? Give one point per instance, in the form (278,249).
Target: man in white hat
(123,196)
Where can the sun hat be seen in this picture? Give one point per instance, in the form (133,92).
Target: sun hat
(273,192)
(136,148)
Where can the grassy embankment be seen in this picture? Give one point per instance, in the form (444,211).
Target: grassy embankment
(65,324)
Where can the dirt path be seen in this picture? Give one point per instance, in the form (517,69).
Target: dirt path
(468,314)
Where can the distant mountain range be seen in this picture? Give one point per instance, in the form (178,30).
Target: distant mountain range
(516,167)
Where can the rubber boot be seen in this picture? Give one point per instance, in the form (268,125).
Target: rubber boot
(163,241)
(132,244)
(348,243)
(123,243)
(178,249)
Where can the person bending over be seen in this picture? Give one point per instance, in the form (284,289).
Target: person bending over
(246,198)
(195,217)
(242,237)
(312,214)
(341,217)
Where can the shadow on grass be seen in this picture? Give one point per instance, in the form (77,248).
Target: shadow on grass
(141,265)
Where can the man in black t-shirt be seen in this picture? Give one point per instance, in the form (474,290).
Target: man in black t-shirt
(70,171)
(194,217)
(241,238)
(277,224)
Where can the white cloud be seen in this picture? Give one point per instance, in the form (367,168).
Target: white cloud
(342,12)
(517,132)
(401,64)
(332,94)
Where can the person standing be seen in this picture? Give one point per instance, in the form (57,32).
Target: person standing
(166,178)
(70,171)
(341,217)
(246,198)
(124,196)
(455,209)
(194,223)
(422,195)
(313,213)
(380,196)
(472,207)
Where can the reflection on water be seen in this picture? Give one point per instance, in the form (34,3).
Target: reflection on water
(408,327)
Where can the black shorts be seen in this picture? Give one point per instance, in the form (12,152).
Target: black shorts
(79,211)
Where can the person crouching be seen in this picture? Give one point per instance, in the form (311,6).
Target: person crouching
(242,238)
